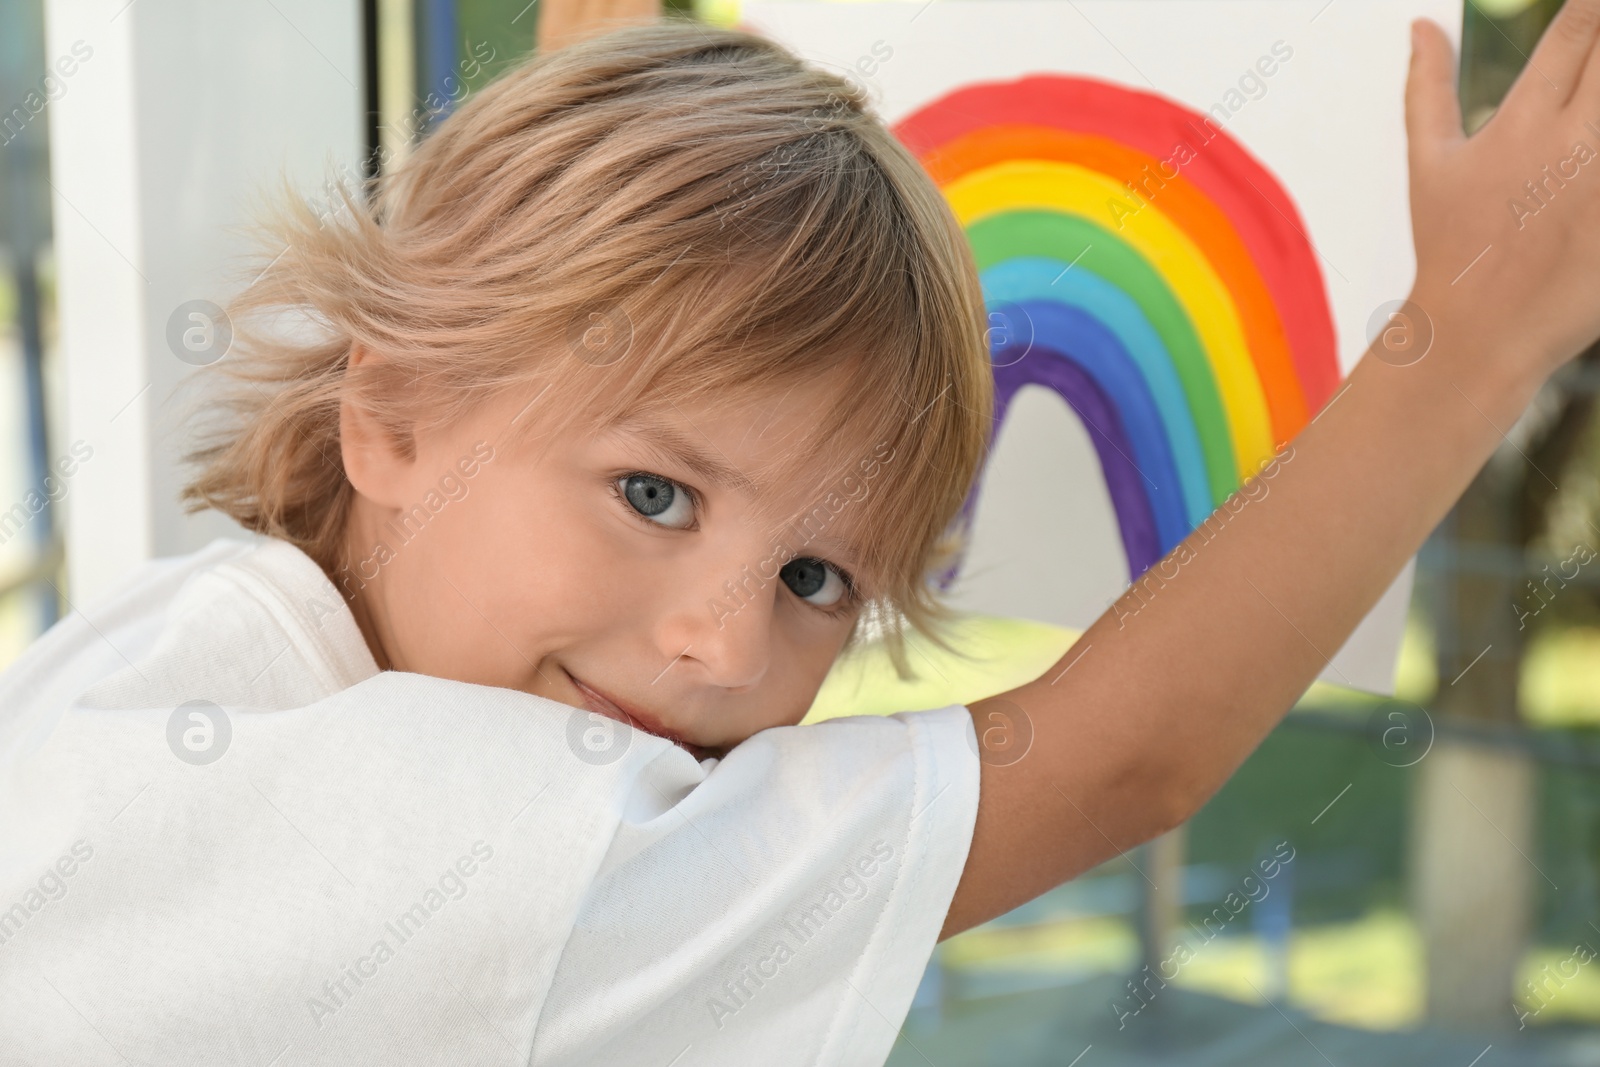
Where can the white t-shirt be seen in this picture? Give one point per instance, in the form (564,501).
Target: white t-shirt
(227,837)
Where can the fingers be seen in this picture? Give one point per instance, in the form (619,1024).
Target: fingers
(1558,63)
(1586,94)
(1433,110)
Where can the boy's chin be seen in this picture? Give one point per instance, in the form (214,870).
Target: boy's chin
(701,752)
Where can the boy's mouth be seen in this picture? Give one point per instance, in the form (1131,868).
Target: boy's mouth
(602,704)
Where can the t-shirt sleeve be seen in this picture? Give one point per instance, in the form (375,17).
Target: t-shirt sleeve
(779,907)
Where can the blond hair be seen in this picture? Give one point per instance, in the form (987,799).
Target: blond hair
(742,216)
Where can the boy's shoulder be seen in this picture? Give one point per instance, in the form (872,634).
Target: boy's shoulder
(101,635)
(261,606)
(252,622)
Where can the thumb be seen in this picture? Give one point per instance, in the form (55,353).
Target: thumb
(1433,109)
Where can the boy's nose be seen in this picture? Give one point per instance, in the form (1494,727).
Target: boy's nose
(724,624)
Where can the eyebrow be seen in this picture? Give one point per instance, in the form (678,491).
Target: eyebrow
(680,447)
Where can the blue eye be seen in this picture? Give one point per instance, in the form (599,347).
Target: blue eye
(814,581)
(658,500)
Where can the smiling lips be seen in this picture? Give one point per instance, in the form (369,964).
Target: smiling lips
(598,702)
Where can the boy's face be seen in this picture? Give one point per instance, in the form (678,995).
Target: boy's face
(613,570)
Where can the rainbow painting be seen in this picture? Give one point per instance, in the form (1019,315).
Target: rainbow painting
(1140,263)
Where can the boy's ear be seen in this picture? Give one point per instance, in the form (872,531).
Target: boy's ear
(373,460)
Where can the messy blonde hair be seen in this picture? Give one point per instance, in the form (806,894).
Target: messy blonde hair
(743,217)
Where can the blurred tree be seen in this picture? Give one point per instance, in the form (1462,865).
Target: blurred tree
(1474,874)
(27,86)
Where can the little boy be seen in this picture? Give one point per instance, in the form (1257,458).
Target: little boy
(649,384)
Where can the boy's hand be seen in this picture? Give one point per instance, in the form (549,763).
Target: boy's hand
(1506,222)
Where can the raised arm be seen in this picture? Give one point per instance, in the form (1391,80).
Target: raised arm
(1165,695)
